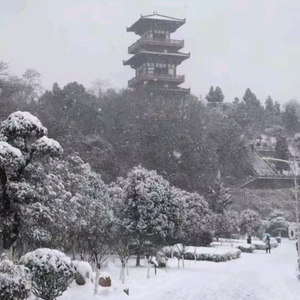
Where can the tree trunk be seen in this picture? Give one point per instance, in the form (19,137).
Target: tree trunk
(97,280)
(138,257)
(73,250)
(148,270)
(123,273)
(9,235)
(97,273)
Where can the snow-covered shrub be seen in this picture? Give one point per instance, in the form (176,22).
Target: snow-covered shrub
(161,259)
(84,269)
(246,248)
(260,245)
(214,257)
(51,272)
(47,146)
(206,253)
(205,238)
(14,280)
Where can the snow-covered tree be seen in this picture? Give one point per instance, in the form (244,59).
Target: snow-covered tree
(149,213)
(22,139)
(218,196)
(249,222)
(277,224)
(225,224)
(96,235)
(123,242)
(51,272)
(193,216)
(53,215)
(14,280)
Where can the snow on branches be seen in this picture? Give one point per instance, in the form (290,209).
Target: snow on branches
(47,146)
(23,124)
(51,272)
(10,157)
(14,280)
(23,143)
(148,208)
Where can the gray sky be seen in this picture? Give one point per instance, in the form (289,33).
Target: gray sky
(234,44)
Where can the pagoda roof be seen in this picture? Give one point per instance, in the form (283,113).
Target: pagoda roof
(155,20)
(143,56)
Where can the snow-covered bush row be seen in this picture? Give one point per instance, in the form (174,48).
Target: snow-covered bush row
(51,272)
(246,248)
(260,245)
(205,253)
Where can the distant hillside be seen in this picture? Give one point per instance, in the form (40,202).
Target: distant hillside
(265,201)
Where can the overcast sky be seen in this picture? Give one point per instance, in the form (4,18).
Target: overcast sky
(234,44)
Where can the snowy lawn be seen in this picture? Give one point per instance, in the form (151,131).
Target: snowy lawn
(252,277)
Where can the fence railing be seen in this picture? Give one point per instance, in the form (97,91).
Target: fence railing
(166,77)
(162,42)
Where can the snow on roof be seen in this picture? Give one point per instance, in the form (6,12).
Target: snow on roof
(161,17)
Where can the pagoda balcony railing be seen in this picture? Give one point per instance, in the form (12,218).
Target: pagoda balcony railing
(158,42)
(161,77)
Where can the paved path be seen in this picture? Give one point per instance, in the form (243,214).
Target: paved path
(256,276)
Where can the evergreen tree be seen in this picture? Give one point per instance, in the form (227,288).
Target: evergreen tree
(291,116)
(22,139)
(282,152)
(277,108)
(218,196)
(149,213)
(250,222)
(215,95)
(219,97)
(270,109)
(210,97)
(236,100)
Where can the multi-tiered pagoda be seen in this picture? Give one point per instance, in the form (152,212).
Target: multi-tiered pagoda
(155,55)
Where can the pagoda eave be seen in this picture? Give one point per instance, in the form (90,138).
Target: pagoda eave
(155,21)
(168,90)
(144,56)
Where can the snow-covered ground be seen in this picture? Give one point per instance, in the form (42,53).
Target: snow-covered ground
(256,276)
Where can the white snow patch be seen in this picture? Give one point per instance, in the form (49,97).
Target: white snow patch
(23,121)
(7,149)
(177,154)
(45,144)
(47,257)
